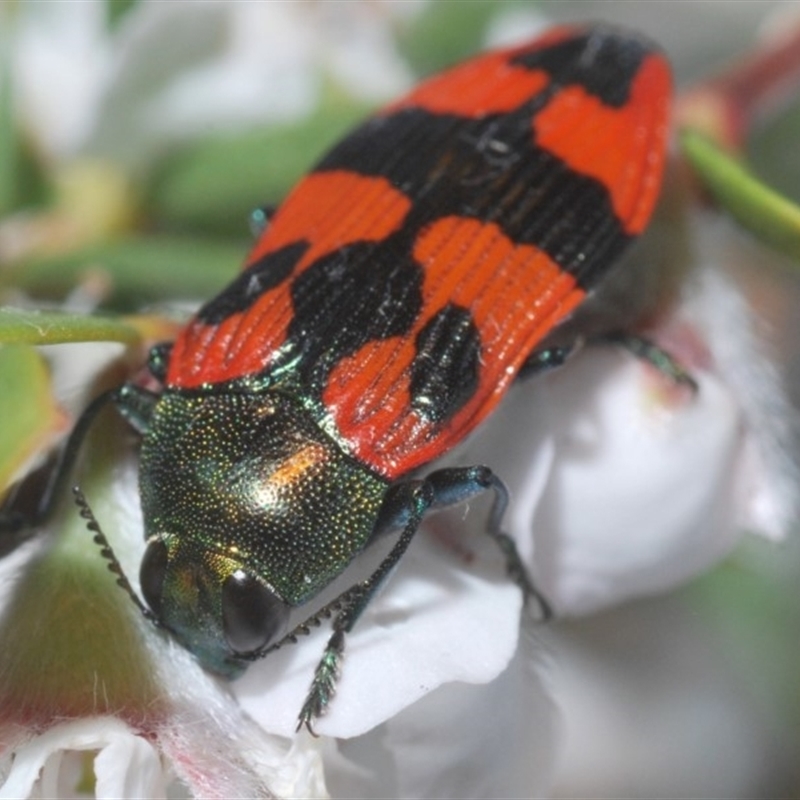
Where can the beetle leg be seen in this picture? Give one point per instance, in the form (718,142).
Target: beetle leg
(458,484)
(135,405)
(639,346)
(260,218)
(550,358)
(158,360)
(645,349)
(13,521)
(419,496)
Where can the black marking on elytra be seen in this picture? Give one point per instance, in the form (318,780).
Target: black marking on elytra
(260,276)
(490,169)
(359,293)
(445,370)
(603,62)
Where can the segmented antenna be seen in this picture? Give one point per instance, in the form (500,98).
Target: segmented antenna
(107,552)
(343,601)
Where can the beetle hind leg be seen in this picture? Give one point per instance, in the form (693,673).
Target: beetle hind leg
(645,349)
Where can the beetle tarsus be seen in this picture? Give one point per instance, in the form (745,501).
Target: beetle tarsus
(643,348)
(323,687)
(518,573)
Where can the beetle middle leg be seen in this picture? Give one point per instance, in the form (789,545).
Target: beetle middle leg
(552,357)
(455,485)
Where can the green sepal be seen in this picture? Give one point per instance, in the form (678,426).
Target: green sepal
(72,643)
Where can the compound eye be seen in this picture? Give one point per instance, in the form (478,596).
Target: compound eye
(252,615)
(152,574)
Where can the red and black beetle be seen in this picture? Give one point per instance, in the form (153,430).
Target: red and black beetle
(389,304)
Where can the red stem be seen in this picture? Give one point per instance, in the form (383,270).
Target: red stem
(726,106)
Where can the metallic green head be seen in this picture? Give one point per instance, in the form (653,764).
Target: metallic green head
(250,510)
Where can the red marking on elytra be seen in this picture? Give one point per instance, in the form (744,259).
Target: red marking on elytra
(332,209)
(624,148)
(468,92)
(516,293)
(487,84)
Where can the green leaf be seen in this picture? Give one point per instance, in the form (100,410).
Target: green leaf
(51,327)
(766,213)
(116,11)
(450,31)
(141,269)
(214,184)
(29,416)
(8,132)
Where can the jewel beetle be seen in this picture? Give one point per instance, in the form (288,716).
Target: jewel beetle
(388,305)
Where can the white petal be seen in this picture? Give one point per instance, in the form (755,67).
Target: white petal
(130,769)
(158,43)
(259,70)
(61,58)
(358,46)
(654,706)
(467,741)
(640,496)
(767,499)
(436,622)
(645,484)
(515,26)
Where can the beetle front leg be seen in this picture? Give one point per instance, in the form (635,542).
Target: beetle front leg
(418,498)
(456,485)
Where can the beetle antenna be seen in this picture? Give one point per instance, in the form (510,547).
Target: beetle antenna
(107,552)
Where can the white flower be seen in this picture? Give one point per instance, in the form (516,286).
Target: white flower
(172,70)
(652,483)
(82,674)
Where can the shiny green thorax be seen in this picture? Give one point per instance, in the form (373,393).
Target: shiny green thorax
(245,486)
